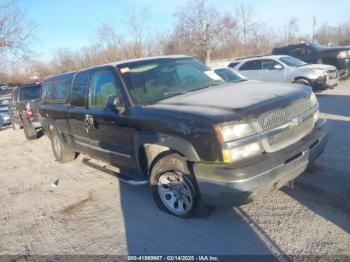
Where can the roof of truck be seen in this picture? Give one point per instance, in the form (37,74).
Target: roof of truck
(115,64)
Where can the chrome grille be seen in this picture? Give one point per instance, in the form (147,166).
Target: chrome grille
(282,116)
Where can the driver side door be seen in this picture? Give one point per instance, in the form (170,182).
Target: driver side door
(110,134)
(272,71)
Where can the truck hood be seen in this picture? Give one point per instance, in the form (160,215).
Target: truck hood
(317,66)
(236,100)
(335,49)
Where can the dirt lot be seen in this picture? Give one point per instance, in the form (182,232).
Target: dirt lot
(89,212)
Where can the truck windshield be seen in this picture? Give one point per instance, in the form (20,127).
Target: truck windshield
(29,93)
(150,81)
(292,61)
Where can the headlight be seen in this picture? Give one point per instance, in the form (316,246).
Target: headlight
(242,152)
(313,100)
(230,132)
(343,54)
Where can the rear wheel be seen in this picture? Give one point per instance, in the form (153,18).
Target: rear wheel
(174,188)
(61,151)
(29,131)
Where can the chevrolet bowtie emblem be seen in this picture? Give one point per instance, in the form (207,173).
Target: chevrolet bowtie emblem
(294,122)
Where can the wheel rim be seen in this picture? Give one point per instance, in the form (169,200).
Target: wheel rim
(57,145)
(175,193)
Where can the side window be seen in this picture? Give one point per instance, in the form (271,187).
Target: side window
(251,65)
(79,88)
(300,51)
(268,64)
(233,64)
(102,85)
(55,91)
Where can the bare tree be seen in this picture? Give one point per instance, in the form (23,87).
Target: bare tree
(291,29)
(137,23)
(14,32)
(246,14)
(197,25)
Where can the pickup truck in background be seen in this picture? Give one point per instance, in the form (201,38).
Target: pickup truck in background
(313,53)
(24,109)
(172,122)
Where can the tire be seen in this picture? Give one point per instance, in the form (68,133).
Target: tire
(304,82)
(174,188)
(29,132)
(62,153)
(344,74)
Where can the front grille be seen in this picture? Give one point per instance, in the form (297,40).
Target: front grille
(281,116)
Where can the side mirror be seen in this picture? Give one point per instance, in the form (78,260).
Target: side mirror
(114,103)
(278,67)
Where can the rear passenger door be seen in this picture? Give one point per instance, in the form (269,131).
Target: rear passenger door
(78,111)
(251,69)
(111,137)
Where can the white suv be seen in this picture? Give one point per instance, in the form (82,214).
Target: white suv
(282,68)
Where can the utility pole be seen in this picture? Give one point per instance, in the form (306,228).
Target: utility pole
(314,23)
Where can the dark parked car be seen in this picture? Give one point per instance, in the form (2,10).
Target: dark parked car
(319,54)
(24,109)
(174,122)
(4,112)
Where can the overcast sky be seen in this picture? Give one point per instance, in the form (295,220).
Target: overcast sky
(71,23)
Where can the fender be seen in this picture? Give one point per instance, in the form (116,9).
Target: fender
(66,139)
(173,143)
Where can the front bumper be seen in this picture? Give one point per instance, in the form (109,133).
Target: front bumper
(325,82)
(227,185)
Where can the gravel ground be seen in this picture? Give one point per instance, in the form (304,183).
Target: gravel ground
(89,212)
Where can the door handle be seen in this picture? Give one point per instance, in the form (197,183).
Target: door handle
(89,120)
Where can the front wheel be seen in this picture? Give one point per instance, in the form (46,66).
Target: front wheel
(302,82)
(174,188)
(344,74)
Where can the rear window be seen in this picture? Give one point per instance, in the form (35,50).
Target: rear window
(56,91)
(29,93)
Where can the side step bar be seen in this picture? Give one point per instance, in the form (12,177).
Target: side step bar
(114,171)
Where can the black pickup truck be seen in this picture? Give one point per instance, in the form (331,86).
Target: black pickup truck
(173,122)
(24,109)
(319,54)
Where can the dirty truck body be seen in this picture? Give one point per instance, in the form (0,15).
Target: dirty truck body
(172,121)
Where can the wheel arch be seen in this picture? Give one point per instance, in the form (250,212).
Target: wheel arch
(151,147)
